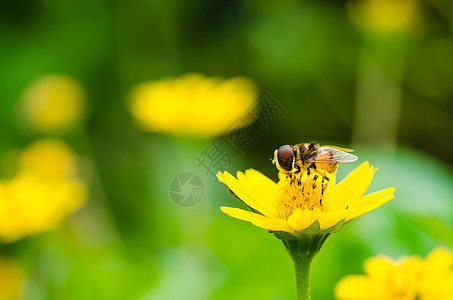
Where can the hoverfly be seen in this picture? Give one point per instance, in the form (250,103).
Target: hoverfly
(311,157)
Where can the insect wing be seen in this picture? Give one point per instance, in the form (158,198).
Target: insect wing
(332,155)
(339,148)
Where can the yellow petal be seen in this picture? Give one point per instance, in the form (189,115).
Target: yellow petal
(264,188)
(410,266)
(275,225)
(243,214)
(301,219)
(379,267)
(331,218)
(247,196)
(437,286)
(263,179)
(439,261)
(354,185)
(369,202)
(258,220)
(358,287)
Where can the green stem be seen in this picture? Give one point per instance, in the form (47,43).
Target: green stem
(303,250)
(302,265)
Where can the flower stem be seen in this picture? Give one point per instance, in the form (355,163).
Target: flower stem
(302,251)
(302,265)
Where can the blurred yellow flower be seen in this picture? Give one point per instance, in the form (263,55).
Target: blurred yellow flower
(53,103)
(11,279)
(31,204)
(300,205)
(193,105)
(408,278)
(49,158)
(44,191)
(383,15)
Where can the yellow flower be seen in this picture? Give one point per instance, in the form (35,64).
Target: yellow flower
(299,205)
(53,103)
(408,278)
(31,204)
(11,279)
(383,15)
(193,105)
(44,191)
(49,158)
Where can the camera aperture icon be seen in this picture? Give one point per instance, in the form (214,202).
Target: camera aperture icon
(186,189)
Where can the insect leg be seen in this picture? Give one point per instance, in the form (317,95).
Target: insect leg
(323,175)
(305,181)
(325,178)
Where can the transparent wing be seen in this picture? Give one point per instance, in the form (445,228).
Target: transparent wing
(332,155)
(339,148)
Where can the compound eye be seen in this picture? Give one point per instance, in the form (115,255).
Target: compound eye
(285,157)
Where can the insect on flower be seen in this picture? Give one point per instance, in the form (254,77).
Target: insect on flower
(311,156)
(301,203)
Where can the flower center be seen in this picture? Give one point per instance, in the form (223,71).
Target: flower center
(302,191)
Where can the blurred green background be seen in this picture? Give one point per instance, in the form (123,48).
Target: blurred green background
(384,90)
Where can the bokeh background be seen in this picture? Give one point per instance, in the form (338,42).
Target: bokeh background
(372,75)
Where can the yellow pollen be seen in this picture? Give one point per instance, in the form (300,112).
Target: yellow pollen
(299,191)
